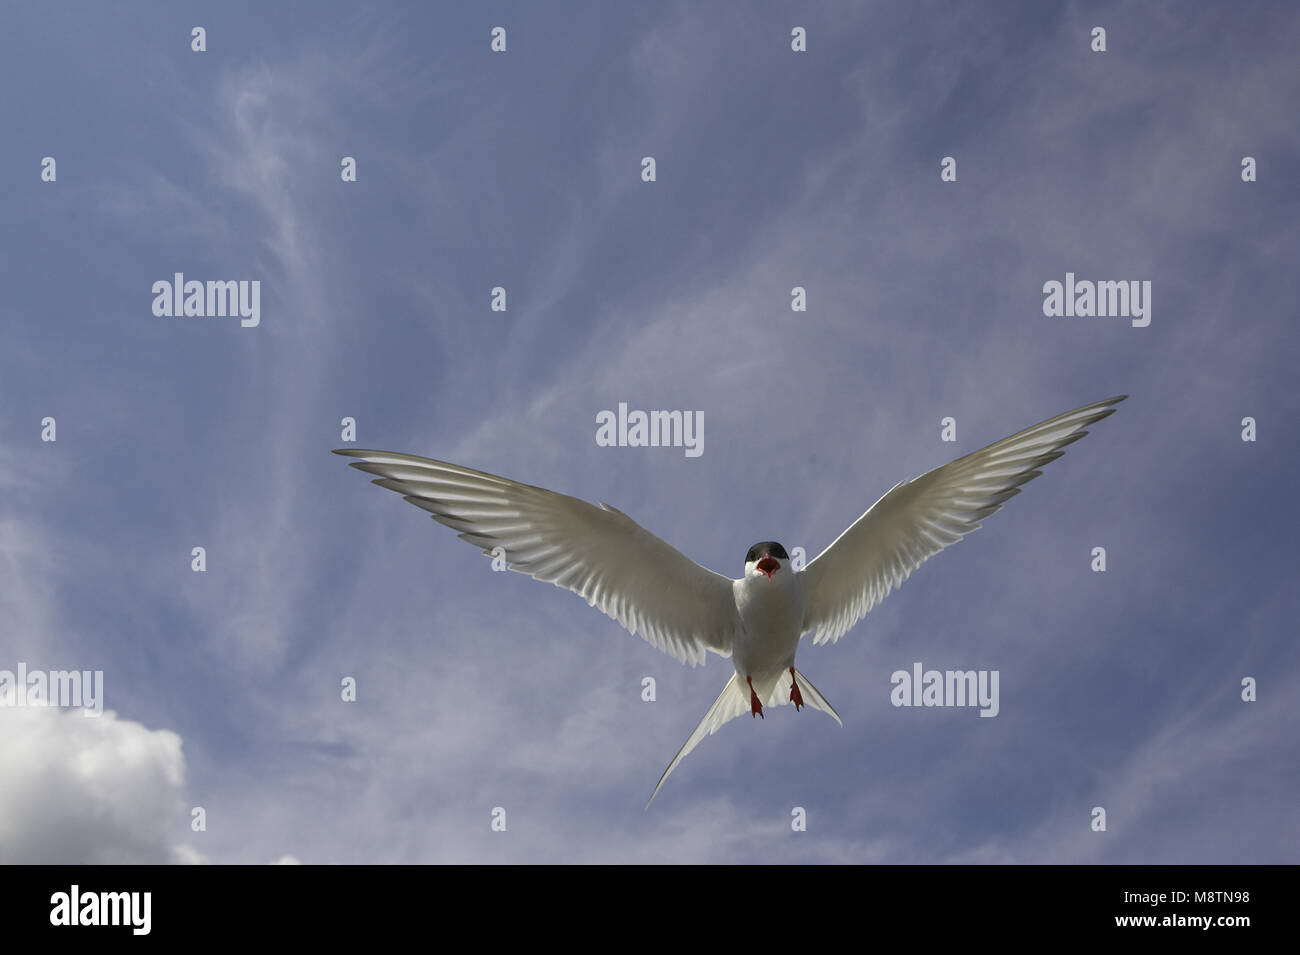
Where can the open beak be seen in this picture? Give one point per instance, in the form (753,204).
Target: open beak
(769,566)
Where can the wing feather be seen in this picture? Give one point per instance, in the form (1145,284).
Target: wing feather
(599,553)
(917,519)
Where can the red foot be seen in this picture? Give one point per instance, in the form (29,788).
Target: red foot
(755,707)
(795,696)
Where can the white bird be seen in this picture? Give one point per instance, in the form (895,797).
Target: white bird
(653,590)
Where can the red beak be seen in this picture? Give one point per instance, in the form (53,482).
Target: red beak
(769,566)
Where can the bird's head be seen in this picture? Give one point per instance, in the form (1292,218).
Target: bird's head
(766,558)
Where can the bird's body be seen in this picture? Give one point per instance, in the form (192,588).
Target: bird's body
(685,610)
(771,615)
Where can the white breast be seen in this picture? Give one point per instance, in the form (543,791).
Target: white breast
(772,614)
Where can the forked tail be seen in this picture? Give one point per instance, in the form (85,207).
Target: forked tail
(732,702)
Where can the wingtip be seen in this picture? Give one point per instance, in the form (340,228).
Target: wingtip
(655,793)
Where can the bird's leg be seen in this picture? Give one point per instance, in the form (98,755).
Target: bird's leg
(755,707)
(795,696)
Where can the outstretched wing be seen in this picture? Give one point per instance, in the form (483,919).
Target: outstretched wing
(919,518)
(599,553)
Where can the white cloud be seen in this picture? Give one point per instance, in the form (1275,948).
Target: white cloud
(89,789)
(480,689)
(76,788)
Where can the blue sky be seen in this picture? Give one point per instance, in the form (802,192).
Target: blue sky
(522,169)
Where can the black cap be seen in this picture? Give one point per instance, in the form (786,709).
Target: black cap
(766,547)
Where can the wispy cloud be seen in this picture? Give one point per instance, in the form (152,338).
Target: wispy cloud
(478,689)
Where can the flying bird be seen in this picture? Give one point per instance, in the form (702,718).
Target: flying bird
(684,609)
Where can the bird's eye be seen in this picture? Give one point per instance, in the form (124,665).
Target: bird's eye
(779,551)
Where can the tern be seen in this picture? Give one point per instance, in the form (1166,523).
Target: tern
(684,609)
